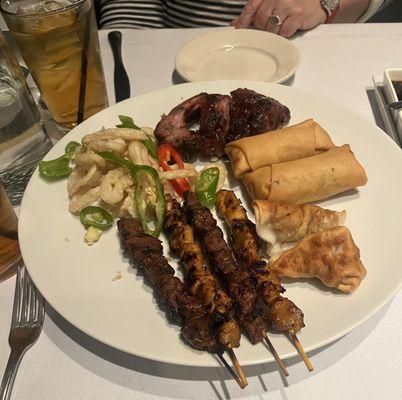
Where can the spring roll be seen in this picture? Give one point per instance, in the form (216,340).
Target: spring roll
(297,141)
(308,179)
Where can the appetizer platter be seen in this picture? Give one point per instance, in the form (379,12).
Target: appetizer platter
(329,153)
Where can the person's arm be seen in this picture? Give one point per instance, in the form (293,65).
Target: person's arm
(351,10)
(296,14)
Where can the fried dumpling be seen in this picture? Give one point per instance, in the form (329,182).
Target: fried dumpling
(278,223)
(329,255)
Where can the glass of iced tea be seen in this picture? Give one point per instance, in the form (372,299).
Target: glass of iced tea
(10,255)
(58,40)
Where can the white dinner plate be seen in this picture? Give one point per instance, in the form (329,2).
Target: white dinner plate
(238,54)
(77,280)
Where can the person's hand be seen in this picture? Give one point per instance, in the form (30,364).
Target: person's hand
(293,14)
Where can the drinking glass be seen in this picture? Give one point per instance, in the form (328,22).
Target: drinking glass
(23,142)
(58,40)
(10,255)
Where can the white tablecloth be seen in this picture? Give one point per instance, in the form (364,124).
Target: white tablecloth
(337,62)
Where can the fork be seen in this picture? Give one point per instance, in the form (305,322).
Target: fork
(26,325)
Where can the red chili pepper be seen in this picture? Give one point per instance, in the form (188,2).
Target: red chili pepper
(167,152)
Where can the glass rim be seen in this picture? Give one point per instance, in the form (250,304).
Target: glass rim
(42,14)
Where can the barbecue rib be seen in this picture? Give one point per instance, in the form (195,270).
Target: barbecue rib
(283,314)
(147,251)
(175,127)
(236,281)
(222,119)
(214,125)
(253,113)
(198,279)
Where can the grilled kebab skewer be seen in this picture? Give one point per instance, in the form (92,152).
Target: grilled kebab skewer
(283,315)
(200,281)
(182,307)
(236,281)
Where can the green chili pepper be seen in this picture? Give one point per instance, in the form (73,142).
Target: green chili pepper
(60,167)
(55,169)
(142,173)
(96,217)
(128,122)
(143,206)
(152,147)
(206,185)
(71,149)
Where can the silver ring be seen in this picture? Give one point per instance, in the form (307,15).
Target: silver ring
(275,20)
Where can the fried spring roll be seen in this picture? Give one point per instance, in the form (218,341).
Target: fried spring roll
(308,179)
(291,143)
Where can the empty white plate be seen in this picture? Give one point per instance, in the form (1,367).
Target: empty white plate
(238,54)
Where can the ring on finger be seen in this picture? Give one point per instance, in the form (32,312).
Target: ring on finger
(275,20)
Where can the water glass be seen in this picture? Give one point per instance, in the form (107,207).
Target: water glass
(10,255)
(22,139)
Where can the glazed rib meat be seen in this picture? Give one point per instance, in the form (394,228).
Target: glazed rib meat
(182,307)
(236,281)
(221,119)
(175,127)
(198,278)
(283,314)
(253,113)
(214,125)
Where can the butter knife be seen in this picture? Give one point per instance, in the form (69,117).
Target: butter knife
(121,81)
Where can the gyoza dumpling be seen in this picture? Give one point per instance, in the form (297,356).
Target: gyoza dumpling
(278,223)
(329,255)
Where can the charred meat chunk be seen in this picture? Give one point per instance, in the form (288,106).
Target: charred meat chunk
(253,113)
(175,127)
(214,125)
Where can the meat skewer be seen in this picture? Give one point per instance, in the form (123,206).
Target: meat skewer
(200,281)
(182,307)
(283,315)
(236,281)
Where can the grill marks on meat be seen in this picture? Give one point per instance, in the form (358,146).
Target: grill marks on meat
(199,279)
(222,119)
(214,125)
(147,251)
(283,314)
(253,113)
(236,281)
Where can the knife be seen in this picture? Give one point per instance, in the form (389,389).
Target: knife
(121,81)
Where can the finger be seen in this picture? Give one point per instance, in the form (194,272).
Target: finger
(247,13)
(235,22)
(289,26)
(262,15)
(270,26)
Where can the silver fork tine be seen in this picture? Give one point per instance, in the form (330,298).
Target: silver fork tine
(40,307)
(32,302)
(17,306)
(38,310)
(25,298)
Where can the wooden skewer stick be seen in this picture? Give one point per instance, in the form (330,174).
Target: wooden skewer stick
(276,356)
(238,368)
(301,351)
(239,377)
